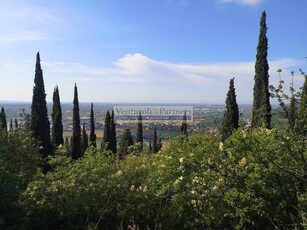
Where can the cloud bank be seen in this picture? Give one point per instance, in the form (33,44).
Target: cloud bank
(139,78)
(199,82)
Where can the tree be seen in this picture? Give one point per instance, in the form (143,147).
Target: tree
(107,132)
(231,116)
(68,146)
(84,139)
(155,147)
(288,103)
(11,124)
(3,123)
(150,147)
(261,115)
(16,123)
(301,122)
(113,141)
(92,124)
(76,135)
(125,142)
(184,125)
(40,125)
(159,144)
(139,133)
(57,127)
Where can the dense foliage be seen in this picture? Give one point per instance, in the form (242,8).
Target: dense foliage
(255,180)
(301,123)
(19,160)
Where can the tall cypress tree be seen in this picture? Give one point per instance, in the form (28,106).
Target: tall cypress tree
(139,133)
(155,147)
(231,116)
(11,124)
(16,123)
(301,122)
(125,142)
(261,104)
(107,131)
(92,132)
(84,139)
(150,147)
(113,141)
(184,125)
(76,135)
(40,125)
(57,127)
(3,123)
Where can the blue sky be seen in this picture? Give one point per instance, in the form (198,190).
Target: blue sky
(181,51)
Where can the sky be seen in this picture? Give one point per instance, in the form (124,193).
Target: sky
(153,51)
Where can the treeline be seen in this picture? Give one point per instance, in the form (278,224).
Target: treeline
(243,178)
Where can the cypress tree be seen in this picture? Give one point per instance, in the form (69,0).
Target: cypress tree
(113,141)
(184,125)
(11,125)
(126,141)
(159,144)
(68,146)
(107,131)
(57,127)
(92,124)
(301,122)
(231,116)
(155,148)
(40,125)
(139,134)
(150,147)
(76,135)
(261,115)
(16,123)
(3,123)
(84,139)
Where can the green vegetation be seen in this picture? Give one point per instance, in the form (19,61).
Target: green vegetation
(197,183)
(3,122)
(301,123)
(40,126)
(256,178)
(184,125)
(57,126)
(231,117)
(113,141)
(139,132)
(76,151)
(92,125)
(155,148)
(261,103)
(125,143)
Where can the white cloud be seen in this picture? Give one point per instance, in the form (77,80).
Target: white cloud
(210,80)
(244,2)
(138,78)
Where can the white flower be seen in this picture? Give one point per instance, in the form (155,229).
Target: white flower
(181,160)
(119,173)
(221,146)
